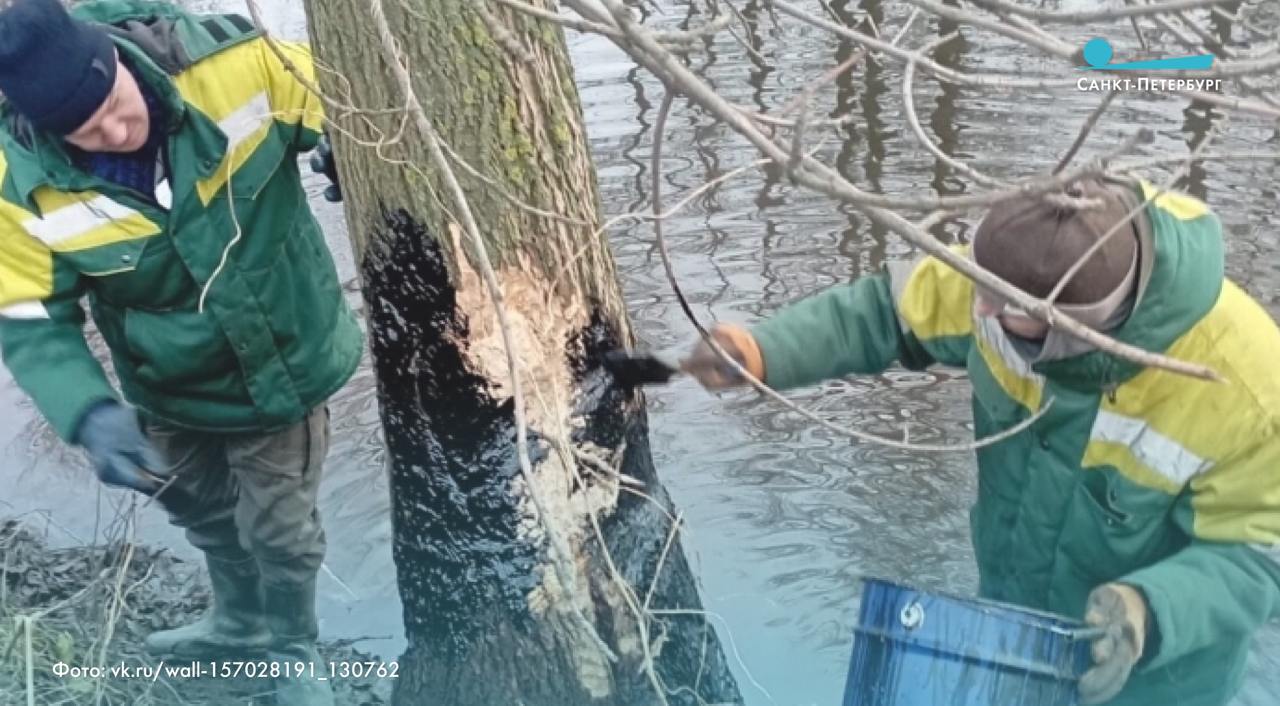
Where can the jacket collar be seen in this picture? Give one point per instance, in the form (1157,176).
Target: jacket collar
(37,159)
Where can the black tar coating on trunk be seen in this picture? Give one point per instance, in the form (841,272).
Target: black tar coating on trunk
(464,571)
(637,530)
(451,444)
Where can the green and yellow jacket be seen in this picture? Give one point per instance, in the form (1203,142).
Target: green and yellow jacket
(273,336)
(1133,474)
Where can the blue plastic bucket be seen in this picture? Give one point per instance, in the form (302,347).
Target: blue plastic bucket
(916,648)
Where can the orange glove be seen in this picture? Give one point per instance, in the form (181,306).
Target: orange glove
(1121,610)
(712,371)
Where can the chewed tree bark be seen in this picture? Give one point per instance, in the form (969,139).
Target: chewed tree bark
(488,619)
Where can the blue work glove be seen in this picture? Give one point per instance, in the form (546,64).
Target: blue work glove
(121,454)
(322,163)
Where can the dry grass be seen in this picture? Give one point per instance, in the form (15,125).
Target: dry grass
(92,606)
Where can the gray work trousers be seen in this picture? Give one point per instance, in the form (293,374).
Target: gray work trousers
(250,495)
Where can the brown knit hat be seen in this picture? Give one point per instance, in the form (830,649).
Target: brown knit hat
(1031,242)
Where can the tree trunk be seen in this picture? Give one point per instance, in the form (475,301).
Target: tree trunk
(488,620)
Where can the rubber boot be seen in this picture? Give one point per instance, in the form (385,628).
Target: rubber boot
(291,615)
(234,625)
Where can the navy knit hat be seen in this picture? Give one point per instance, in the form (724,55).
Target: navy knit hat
(55,70)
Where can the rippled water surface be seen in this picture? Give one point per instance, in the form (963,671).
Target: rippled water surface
(783,516)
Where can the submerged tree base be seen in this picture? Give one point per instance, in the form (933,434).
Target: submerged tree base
(487,617)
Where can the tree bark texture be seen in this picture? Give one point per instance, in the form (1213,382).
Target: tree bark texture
(487,618)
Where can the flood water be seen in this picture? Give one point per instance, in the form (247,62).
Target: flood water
(783,517)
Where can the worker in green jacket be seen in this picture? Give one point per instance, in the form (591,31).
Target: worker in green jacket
(1143,501)
(148,164)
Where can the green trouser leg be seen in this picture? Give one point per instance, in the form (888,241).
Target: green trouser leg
(234,624)
(291,615)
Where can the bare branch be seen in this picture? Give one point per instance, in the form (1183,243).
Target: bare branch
(1064,50)
(801,102)
(942,72)
(503,36)
(909,107)
(928,222)
(746,46)
(1205,39)
(759,385)
(342,108)
(690,36)
(584,26)
(1005,6)
(770,119)
(1125,222)
(1044,42)
(1137,31)
(826,180)
(662,559)
(1084,131)
(1239,19)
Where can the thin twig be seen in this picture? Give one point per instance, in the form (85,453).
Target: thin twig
(733,643)
(928,222)
(1137,31)
(1238,19)
(341,110)
(1085,130)
(503,36)
(116,600)
(1062,50)
(4,584)
(825,180)
(1046,43)
(1125,222)
(909,107)
(742,42)
(943,73)
(256,15)
(1080,16)
(691,36)
(662,559)
(762,387)
(801,101)
(555,411)
(584,26)
(599,465)
(1207,40)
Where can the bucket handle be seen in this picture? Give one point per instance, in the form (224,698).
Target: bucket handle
(1087,634)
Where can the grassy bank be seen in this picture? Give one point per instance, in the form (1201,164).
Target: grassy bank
(91,607)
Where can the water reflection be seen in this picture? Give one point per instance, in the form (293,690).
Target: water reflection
(785,516)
